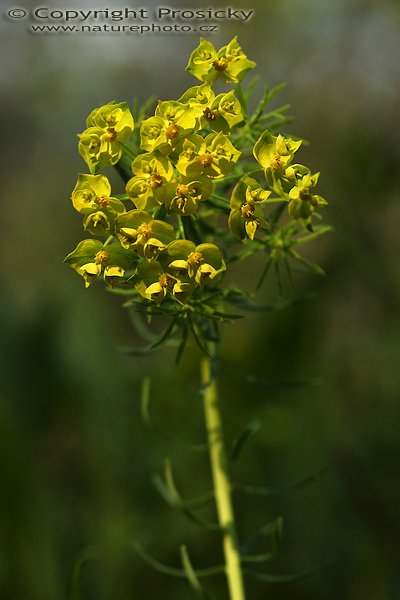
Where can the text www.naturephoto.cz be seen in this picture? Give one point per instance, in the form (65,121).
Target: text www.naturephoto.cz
(140,29)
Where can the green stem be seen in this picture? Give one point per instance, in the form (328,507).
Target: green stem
(222,484)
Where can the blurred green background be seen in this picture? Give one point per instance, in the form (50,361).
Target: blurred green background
(76,457)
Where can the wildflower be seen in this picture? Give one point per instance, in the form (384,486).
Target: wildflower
(154,283)
(90,258)
(246,214)
(100,222)
(162,132)
(115,119)
(107,126)
(229,64)
(214,156)
(303,202)
(183,196)
(275,152)
(97,149)
(151,172)
(220,112)
(137,230)
(197,99)
(201,263)
(93,192)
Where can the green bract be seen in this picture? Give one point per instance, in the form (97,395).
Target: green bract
(229,64)
(162,132)
(90,258)
(136,230)
(108,125)
(214,156)
(246,213)
(200,263)
(220,113)
(177,113)
(147,188)
(154,283)
(157,133)
(97,149)
(115,119)
(225,112)
(182,197)
(275,152)
(302,202)
(93,192)
(197,99)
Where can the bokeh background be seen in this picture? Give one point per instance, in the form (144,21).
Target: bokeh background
(75,456)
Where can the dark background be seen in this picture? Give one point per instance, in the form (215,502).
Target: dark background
(76,457)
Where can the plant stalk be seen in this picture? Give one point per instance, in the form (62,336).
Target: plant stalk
(220,474)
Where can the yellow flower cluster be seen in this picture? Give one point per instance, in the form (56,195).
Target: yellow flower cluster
(183,153)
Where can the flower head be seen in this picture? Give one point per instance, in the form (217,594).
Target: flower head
(146,189)
(137,230)
(303,202)
(246,214)
(114,119)
(200,263)
(229,64)
(214,156)
(90,258)
(183,196)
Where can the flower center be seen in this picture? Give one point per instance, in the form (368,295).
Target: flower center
(220,64)
(195,258)
(102,201)
(210,115)
(156,181)
(305,195)
(102,257)
(172,131)
(277,163)
(182,191)
(247,211)
(145,230)
(166,281)
(204,55)
(111,135)
(205,160)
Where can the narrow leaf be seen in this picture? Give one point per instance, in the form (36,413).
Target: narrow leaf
(293,578)
(274,490)
(307,263)
(170,494)
(88,554)
(191,575)
(319,230)
(135,350)
(242,440)
(182,345)
(162,568)
(167,333)
(272,530)
(157,565)
(257,558)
